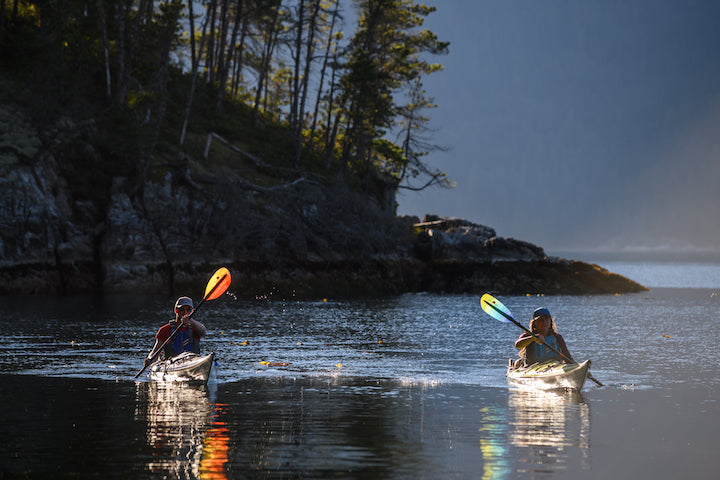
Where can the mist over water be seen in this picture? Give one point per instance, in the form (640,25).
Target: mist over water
(579,125)
(658,269)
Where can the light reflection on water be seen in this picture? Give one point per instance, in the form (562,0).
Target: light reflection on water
(415,338)
(386,429)
(404,387)
(178,417)
(186,431)
(548,424)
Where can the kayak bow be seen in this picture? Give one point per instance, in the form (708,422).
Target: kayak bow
(550,374)
(187,366)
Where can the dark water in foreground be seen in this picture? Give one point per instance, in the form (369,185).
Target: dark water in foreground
(407,387)
(285,428)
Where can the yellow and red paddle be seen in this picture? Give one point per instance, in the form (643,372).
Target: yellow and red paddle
(218,283)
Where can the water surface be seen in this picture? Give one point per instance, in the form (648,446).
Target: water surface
(404,387)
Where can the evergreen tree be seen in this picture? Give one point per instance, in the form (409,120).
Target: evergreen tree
(127,57)
(385,56)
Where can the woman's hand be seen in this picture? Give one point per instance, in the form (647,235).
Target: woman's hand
(539,339)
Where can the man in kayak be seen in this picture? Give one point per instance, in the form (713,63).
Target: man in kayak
(187,338)
(533,349)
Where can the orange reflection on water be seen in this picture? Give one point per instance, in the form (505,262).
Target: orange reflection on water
(185,430)
(215,448)
(177,414)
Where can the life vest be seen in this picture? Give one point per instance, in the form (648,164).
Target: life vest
(183,341)
(537,353)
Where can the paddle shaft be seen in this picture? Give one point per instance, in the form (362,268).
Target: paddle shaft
(535,336)
(181,324)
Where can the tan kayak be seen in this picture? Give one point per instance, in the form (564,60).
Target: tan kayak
(549,375)
(187,366)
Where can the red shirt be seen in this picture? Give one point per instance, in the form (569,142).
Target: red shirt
(166,330)
(185,340)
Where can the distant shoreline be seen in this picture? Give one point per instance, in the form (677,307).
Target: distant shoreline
(639,255)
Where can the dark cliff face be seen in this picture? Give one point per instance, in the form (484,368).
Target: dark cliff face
(72,224)
(67,231)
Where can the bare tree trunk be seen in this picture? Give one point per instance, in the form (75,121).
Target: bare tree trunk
(193,80)
(309,53)
(121,48)
(220,55)
(106,48)
(266,61)
(331,136)
(328,49)
(191,18)
(223,74)
(295,87)
(239,58)
(210,56)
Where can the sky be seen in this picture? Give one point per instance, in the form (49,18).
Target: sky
(577,124)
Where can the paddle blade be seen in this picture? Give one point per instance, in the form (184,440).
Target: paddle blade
(217,285)
(493,307)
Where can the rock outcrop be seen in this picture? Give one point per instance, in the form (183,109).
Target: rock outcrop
(458,256)
(458,239)
(73,224)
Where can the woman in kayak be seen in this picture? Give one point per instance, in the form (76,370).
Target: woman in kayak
(187,338)
(534,349)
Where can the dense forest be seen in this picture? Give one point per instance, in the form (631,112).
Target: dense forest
(323,86)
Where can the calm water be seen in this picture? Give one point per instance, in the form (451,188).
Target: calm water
(406,387)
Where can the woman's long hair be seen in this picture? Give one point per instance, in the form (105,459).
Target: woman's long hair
(553,328)
(523,352)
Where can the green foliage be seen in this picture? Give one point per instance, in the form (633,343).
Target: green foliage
(389,158)
(117,61)
(385,58)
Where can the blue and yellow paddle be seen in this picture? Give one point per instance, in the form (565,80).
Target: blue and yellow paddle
(494,307)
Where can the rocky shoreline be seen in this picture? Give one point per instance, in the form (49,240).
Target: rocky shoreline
(71,225)
(346,279)
(391,277)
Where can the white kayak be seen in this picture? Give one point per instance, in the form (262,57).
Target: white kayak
(187,366)
(550,375)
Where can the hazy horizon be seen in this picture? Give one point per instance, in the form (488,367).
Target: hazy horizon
(579,125)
